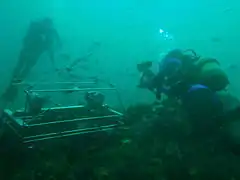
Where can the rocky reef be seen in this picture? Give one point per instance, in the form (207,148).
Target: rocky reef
(158,142)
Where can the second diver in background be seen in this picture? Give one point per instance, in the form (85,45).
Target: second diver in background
(41,37)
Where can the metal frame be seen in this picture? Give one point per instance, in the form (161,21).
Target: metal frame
(20,123)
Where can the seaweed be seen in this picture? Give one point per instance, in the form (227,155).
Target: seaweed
(156,143)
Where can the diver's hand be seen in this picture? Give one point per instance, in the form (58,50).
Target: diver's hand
(16,81)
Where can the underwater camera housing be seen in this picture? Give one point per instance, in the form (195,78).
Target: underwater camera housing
(35,122)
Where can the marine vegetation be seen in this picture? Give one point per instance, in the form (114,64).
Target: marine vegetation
(158,142)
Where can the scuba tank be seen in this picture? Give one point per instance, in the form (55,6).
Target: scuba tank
(211,74)
(205,71)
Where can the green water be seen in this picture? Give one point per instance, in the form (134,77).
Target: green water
(128,31)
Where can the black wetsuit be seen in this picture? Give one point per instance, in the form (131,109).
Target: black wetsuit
(39,39)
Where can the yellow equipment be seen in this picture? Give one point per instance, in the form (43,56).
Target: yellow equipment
(211,74)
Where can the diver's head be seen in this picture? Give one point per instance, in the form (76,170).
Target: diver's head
(175,53)
(184,55)
(47,23)
(171,66)
(177,63)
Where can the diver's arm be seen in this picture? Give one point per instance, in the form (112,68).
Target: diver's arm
(158,84)
(57,38)
(29,34)
(51,49)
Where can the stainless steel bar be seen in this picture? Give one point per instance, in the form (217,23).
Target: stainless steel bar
(120,100)
(46,83)
(9,113)
(66,135)
(73,90)
(116,112)
(27,117)
(14,130)
(72,131)
(64,107)
(72,120)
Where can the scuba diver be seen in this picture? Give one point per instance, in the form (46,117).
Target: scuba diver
(187,77)
(41,37)
(198,85)
(174,67)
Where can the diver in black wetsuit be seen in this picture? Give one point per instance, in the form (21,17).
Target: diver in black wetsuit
(177,78)
(174,68)
(41,37)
